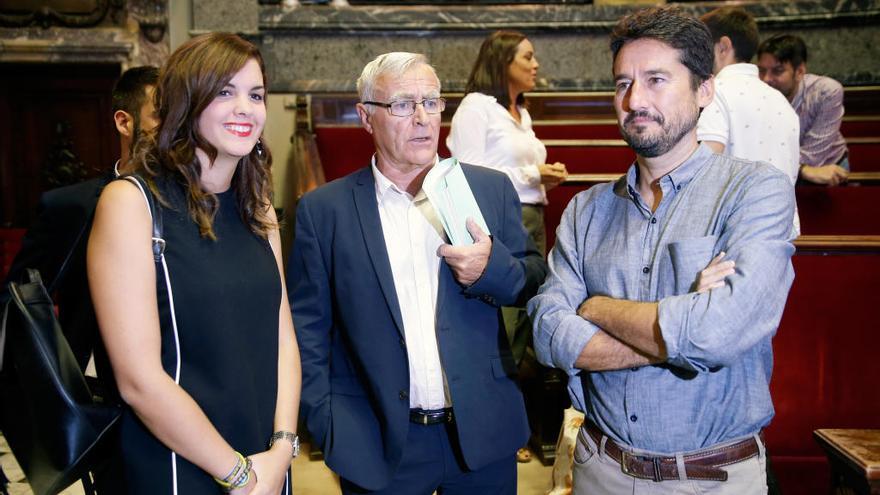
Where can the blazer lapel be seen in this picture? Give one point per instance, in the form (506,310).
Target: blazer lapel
(371,227)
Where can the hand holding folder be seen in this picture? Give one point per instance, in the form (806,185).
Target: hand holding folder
(448,191)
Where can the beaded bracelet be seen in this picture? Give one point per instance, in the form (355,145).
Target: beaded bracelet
(239,475)
(243,478)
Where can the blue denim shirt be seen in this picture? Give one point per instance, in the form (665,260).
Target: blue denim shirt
(714,386)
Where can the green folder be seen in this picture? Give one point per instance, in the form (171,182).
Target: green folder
(451,196)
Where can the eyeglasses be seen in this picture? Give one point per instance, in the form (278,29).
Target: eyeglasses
(405,108)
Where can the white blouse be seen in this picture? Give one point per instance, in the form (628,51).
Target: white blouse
(484,133)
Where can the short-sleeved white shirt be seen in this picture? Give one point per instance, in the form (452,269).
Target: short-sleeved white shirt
(753,121)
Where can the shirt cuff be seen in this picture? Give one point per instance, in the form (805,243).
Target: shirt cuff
(532,175)
(673,314)
(569,341)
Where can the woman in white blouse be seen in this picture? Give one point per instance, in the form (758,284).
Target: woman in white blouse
(492,128)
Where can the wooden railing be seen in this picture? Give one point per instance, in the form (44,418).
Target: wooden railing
(837,243)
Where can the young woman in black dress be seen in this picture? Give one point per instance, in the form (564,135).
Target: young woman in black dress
(208,368)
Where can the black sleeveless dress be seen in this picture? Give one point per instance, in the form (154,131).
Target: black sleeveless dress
(224,349)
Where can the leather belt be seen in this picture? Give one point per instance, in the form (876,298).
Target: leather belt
(701,465)
(430,416)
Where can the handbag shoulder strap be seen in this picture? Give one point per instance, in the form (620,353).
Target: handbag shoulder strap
(155,212)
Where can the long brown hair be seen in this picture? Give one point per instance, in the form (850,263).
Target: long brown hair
(188,83)
(490,73)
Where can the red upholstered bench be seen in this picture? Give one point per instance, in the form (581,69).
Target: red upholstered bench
(344,149)
(863,142)
(847,210)
(826,365)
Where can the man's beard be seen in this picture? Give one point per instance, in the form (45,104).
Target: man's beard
(653,145)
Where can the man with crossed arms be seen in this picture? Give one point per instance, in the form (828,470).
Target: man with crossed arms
(673,381)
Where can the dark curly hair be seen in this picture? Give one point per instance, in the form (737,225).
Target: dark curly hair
(188,83)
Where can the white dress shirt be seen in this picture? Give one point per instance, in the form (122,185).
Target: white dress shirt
(753,121)
(484,133)
(412,243)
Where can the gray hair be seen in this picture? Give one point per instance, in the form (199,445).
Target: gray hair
(393,64)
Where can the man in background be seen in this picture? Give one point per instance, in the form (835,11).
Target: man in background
(56,243)
(747,119)
(818,101)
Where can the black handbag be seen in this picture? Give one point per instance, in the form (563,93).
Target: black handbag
(55,429)
(53,425)
(48,415)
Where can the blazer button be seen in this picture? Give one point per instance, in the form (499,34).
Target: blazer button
(403,395)
(402,343)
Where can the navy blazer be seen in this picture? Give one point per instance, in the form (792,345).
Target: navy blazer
(352,345)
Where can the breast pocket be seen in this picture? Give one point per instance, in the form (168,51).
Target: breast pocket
(689,257)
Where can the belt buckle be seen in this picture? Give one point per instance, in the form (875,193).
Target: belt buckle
(625,459)
(424,418)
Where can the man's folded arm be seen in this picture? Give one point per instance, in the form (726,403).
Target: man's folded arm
(563,339)
(605,352)
(700,331)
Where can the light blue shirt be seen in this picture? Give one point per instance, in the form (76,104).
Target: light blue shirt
(715,385)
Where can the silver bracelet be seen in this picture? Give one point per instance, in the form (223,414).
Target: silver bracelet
(291,437)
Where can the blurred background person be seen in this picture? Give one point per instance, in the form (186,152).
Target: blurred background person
(55,245)
(207,364)
(747,119)
(65,215)
(493,128)
(818,101)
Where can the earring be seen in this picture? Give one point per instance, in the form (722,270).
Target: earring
(258,148)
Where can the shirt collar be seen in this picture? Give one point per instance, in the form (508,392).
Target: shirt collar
(384,184)
(678,178)
(742,69)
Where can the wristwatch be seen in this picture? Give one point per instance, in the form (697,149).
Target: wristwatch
(291,437)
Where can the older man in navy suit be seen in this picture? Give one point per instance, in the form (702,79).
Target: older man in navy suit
(408,381)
